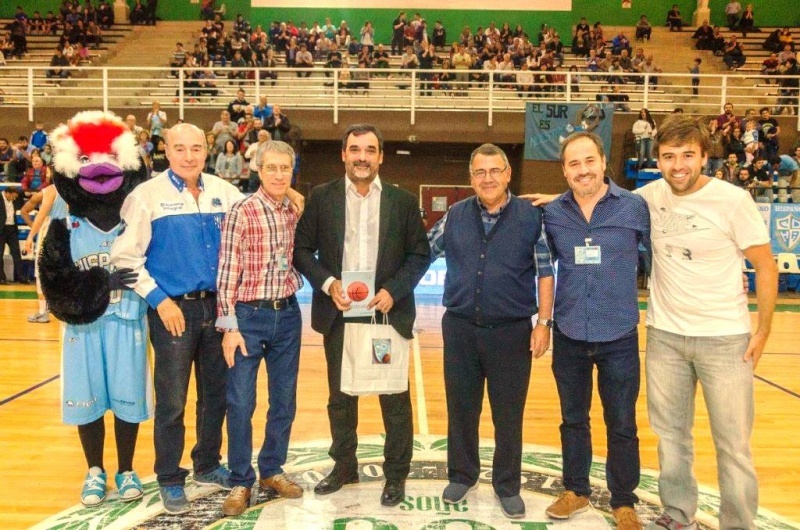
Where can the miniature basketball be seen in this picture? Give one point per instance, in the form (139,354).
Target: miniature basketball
(357,291)
(387,358)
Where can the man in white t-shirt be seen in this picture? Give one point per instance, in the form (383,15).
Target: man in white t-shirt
(698,324)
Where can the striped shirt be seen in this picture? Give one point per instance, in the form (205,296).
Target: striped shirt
(255,260)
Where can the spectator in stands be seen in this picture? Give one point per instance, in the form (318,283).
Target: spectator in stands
(769,66)
(368,36)
(734,145)
(733,11)
(704,35)
(36,23)
(790,86)
(674,19)
(747,22)
(105,15)
(229,163)
(206,9)
(745,180)
(718,42)
(50,24)
(304,59)
(224,130)
(409,60)
(750,138)
(773,42)
(240,67)
(238,107)
(58,66)
(36,178)
(769,132)
(788,175)
(263,110)
(786,54)
(398,33)
(342,39)
(649,67)
(269,62)
(438,36)
(240,25)
(733,56)
(716,150)
(727,120)
(619,99)
(785,37)
(643,28)
(730,170)
(16,32)
(178,59)
(138,13)
(157,122)
(38,137)
(278,124)
(644,130)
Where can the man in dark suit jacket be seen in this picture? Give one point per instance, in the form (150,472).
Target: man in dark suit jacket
(9,235)
(359,223)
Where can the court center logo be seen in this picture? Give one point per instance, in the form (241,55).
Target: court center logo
(357,506)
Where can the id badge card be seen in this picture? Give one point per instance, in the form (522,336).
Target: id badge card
(588,255)
(283,261)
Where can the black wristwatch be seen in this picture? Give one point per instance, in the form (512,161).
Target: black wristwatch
(547,322)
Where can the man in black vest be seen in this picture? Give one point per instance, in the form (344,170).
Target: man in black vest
(497,259)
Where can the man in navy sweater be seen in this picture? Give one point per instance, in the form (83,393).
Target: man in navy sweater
(497,260)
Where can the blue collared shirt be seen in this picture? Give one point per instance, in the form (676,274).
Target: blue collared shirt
(598,302)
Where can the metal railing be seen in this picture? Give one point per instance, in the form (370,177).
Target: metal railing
(406,91)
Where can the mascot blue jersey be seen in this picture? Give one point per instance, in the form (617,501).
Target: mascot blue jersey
(91,247)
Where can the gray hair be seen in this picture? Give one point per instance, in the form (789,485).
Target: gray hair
(275,146)
(488,150)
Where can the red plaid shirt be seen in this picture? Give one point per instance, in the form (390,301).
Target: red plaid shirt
(255,259)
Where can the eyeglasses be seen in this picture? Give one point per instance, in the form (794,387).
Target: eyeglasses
(482,174)
(273,170)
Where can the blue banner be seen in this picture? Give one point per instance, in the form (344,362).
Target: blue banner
(784,228)
(548,124)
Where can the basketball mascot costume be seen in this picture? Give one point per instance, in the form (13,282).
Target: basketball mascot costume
(104,351)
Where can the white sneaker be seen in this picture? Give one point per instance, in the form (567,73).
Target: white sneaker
(40,318)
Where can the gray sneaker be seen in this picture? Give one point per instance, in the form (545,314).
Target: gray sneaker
(512,507)
(455,492)
(218,477)
(174,499)
(666,521)
(40,318)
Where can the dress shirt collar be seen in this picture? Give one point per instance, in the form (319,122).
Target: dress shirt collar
(271,203)
(374,185)
(180,184)
(612,191)
(485,211)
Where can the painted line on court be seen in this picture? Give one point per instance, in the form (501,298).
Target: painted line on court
(776,385)
(422,409)
(28,390)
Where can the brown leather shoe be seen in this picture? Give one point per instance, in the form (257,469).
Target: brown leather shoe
(281,483)
(237,501)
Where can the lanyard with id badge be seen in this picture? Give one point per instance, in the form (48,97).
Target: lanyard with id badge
(588,254)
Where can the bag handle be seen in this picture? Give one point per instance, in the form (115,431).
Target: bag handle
(385,319)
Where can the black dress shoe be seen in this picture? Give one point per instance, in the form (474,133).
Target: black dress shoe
(394,491)
(334,482)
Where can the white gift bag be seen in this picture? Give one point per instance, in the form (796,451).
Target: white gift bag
(374,359)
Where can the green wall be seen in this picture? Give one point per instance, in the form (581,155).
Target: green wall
(768,13)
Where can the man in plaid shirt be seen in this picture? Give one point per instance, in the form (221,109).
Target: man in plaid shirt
(258,312)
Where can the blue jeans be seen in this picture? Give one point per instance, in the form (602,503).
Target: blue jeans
(275,337)
(674,365)
(618,375)
(643,148)
(200,345)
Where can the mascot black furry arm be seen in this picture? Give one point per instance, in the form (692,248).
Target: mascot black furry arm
(96,165)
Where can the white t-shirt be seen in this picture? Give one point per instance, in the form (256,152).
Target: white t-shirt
(696,282)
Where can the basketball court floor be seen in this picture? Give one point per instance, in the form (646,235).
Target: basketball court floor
(42,464)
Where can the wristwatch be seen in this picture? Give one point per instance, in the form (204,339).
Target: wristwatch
(547,322)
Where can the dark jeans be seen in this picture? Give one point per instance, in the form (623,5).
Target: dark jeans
(200,344)
(500,359)
(618,372)
(9,235)
(273,336)
(343,416)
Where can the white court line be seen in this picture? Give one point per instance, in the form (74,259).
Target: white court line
(422,409)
